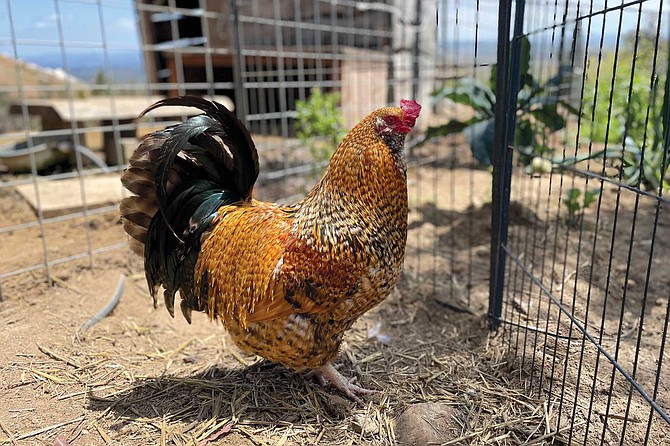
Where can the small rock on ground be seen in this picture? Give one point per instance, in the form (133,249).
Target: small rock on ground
(425,423)
(364,425)
(338,406)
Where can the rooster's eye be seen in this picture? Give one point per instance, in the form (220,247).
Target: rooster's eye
(391,120)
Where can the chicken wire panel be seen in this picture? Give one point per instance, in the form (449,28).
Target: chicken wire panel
(78,75)
(448,250)
(290,50)
(586,293)
(61,78)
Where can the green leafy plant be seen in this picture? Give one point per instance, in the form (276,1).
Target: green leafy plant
(576,205)
(624,113)
(319,123)
(539,112)
(649,167)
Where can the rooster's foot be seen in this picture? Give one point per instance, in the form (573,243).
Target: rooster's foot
(328,374)
(315,373)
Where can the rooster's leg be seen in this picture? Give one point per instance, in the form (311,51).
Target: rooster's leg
(329,373)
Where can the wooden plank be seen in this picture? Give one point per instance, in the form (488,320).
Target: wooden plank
(102,108)
(60,197)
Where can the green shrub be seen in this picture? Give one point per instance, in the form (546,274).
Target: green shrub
(540,112)
(319,123)
(629,117)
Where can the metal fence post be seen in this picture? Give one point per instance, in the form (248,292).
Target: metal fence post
(507,88)
(416,51)
(240,95)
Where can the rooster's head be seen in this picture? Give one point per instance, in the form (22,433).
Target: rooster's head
(398,119)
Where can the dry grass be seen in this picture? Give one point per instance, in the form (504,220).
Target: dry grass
(139,377)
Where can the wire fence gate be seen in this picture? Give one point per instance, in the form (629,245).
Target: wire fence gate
(575,127)
(578,276)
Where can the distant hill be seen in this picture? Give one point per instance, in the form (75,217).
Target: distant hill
(462,52)
(121,67)
(32,75)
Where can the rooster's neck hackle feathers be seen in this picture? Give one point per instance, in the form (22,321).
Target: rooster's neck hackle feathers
(363,189)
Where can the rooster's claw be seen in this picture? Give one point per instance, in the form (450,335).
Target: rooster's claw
(328,374)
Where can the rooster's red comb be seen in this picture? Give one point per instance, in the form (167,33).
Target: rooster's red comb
(411,108)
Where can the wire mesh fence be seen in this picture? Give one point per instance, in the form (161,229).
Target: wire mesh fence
(71,122)
(263,59)
(580,272)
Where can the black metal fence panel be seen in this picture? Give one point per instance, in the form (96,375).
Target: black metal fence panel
(584,303)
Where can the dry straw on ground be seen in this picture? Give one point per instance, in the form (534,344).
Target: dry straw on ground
(139,377)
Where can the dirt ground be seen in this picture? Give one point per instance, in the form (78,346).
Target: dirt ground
(139,377)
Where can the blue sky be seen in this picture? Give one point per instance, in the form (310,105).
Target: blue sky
(37,20)
(36,26)
(464,12)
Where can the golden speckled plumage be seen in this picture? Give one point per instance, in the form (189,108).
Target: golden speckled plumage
(288,281)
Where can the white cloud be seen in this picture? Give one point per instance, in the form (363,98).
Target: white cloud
(126,24)
(46,21)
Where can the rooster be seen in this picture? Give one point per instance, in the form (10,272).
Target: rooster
(285,281)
